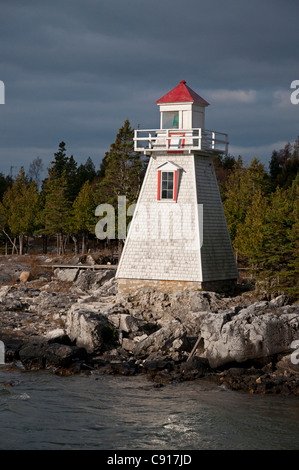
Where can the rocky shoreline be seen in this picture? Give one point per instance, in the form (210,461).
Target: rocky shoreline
(74,321)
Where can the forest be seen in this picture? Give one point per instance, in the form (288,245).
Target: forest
(260,204)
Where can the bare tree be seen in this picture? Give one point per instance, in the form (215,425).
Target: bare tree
(35,169)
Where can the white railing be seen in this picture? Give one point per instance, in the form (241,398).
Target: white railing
(186,140)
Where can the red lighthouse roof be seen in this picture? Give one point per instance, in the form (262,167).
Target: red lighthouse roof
(182,93)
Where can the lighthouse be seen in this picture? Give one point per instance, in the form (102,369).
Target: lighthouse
(178,237)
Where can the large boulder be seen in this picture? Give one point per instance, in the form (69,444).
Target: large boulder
(253,333)
(66,275)
(89,281)
(36,355)
(88,328)
(169,338)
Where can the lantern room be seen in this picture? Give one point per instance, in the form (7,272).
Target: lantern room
(182,126)
(182,108)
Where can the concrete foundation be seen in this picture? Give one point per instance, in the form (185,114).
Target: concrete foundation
(127,286)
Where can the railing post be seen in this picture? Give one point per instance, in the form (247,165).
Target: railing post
(135,140)
(213,140)
(199,138)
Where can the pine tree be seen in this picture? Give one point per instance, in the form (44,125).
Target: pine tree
(84,220)
(280,252)
(123,169)
(242,184)
(20,207)
(86,172)
(57,210)
(284,165)
(5,183)
(250,237)
(59,164)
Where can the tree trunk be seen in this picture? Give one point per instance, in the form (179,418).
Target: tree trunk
(14,246)
(83,247)
(75,240)
(59,243)
(45,244)
(21,244)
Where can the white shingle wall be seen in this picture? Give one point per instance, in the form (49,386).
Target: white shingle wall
(218,261)
(156,249)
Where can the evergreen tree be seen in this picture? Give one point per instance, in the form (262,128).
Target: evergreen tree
(71,176)
(84,220)
(250,236)
(64,165)
(86,172)
(5,183)
(284,165)
(57,210)
(223,167)
(280,250)
(20,207)
(123,169)
(60,162)
(242,184)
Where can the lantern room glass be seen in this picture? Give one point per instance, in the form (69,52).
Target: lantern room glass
(170,119)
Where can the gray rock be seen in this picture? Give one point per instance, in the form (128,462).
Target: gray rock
(54,334)
(88,328)
(42,355)
(279,301)
(248,335)
(170,337)
(89,281)
(128,344)
(66,275)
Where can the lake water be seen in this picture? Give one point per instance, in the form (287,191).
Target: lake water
(41,411)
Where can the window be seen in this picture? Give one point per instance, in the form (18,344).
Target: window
(167,185)
(170,120)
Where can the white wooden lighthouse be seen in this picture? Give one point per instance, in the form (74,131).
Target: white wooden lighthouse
(178,237)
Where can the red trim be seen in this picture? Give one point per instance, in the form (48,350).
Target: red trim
(175,151)
(179,134)
(159,185)
(175,185)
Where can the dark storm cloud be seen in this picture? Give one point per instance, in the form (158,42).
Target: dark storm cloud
(74,71)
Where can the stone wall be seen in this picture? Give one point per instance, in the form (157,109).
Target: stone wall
(125,286)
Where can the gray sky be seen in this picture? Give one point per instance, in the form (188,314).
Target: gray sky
(74,70)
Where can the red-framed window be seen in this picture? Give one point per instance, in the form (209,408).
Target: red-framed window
(167,185)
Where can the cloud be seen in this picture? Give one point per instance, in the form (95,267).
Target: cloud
(282,99)
(75,71)
(234,96)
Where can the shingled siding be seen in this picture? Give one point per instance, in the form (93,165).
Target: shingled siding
(218,262)
(149,252)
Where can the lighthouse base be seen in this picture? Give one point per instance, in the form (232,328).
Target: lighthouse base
(129,286)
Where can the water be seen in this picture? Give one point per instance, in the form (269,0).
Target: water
(41,411)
